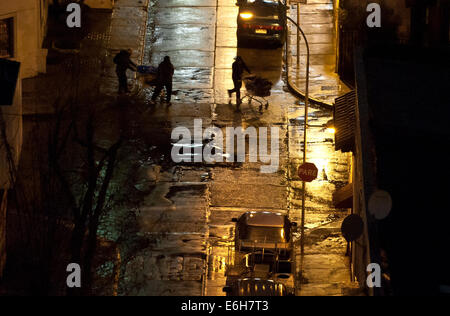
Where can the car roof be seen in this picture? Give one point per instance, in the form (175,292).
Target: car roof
(265,219)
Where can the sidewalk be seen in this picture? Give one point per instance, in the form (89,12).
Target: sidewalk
(325,270)
(127,30)
(317,21)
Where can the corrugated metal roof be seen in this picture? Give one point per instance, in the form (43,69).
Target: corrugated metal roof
(344,122)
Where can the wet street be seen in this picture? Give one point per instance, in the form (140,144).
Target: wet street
(222,148)
(178,239)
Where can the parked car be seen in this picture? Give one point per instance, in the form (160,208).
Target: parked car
(265,231)
(261,20)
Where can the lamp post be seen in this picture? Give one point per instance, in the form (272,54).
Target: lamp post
(298,36)
(304,131)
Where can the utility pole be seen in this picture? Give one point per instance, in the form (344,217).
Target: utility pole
(305,128)
(298,36)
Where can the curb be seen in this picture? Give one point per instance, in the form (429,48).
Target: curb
(297,92)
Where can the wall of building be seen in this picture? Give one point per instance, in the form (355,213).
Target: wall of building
(3,201)
(12,119)
(360,249)
(352,30)
(366,250)
(12,116)
(29,30)
(395,16)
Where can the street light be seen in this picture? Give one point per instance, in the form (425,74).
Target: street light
(331,130)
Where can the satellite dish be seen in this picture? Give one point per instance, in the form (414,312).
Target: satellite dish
(352,227)
(380,204)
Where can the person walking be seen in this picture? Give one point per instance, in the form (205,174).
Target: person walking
(164,79)
(123,63)
(239,67)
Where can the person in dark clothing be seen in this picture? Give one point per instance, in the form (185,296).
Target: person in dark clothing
(239,67)
(123,63)
(164,78)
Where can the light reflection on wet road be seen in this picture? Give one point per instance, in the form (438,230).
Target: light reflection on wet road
(187,215)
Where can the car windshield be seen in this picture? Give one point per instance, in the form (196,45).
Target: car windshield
(268,234)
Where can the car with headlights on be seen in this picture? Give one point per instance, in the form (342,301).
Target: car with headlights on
(261,20)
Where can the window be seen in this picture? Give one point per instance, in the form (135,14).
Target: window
(6,38)
(269,234)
